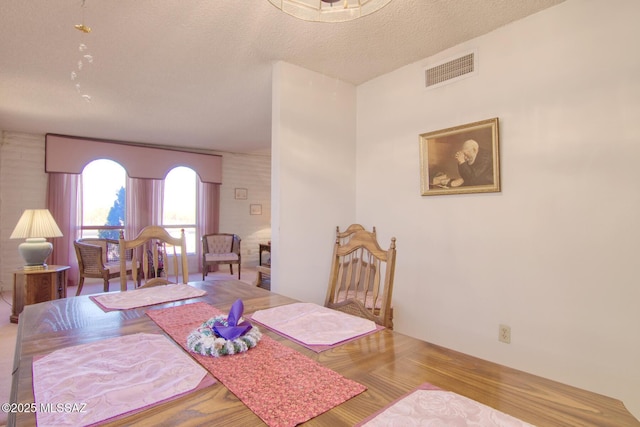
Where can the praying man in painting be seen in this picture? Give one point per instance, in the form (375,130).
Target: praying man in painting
(475,166)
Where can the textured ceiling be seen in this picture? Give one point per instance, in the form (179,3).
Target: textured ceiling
(197,73)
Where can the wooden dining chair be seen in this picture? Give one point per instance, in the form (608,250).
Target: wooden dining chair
(361,277)
(346,235)
(150,246)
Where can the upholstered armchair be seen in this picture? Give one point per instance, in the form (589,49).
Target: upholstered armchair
(220,248)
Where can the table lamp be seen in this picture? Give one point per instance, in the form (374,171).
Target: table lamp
(35,225)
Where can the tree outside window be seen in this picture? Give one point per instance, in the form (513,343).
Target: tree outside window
(115,217)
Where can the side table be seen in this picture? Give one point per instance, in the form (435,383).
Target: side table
(34,286)
(263,248)
(263,273)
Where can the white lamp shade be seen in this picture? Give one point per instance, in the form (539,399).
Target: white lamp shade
(35,225)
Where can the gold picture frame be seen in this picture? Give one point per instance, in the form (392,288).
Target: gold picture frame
(461,159)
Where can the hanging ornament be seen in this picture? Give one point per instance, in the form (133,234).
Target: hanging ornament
(82,27)
(85,58)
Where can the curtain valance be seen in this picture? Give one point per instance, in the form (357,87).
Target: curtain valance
(70,154)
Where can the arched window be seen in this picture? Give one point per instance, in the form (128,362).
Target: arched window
(103,199)
(179,210)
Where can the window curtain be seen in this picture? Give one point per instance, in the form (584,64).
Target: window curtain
(208,213)
(64,201)
(144,203)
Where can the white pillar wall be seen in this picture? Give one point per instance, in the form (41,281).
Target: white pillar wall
(313,182)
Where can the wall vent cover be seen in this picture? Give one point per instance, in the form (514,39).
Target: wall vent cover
(450,70)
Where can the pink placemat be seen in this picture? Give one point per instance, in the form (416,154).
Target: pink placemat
(313,326)
(280,385)
(112,378)
(430,405)
(146,296)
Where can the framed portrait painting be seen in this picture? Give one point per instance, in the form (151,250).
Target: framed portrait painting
(461,159)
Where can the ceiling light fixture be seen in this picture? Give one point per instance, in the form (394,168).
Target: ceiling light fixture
(326,11)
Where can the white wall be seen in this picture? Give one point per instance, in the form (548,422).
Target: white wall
(23,185)
(313,177)
(253,172)
(554,255)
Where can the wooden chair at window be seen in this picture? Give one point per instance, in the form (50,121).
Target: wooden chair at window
(220,248)
(147,246)
(361,277)
(100,259)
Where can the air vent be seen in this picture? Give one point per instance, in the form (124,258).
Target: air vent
(450,70)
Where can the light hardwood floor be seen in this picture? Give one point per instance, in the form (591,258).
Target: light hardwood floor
(8,330)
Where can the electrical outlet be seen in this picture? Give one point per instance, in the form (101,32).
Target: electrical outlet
(504,334)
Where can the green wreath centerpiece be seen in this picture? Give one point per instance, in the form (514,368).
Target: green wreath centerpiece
(224,335)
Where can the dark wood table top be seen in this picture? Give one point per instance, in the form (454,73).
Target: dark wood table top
(388,363)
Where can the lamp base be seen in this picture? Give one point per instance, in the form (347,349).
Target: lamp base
(34,252)
(35,267)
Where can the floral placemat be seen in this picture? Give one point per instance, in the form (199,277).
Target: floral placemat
(430,405)
(313,326)
(112,378)
(146,296)
(280,385)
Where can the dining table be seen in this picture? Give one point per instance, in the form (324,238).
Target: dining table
(388,363)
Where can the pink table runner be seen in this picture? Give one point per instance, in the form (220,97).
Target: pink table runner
(112,378)
(430,405)
(146,296)
(280,385)
(313,326)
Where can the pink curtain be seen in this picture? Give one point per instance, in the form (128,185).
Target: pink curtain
(64,201)
(208,213)
(144,204)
